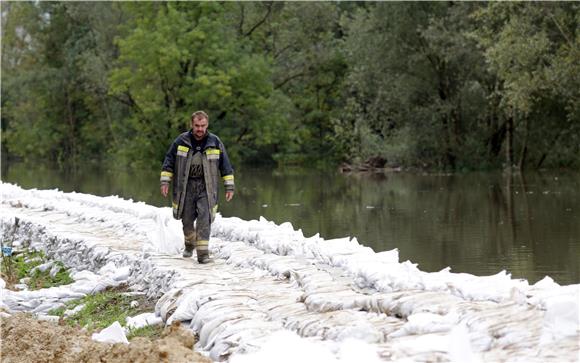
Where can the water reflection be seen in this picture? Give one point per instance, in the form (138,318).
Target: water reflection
(479,223)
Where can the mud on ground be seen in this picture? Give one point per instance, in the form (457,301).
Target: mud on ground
(27,340)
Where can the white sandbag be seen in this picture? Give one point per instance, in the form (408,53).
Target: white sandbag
(562,318)
(286,347)
(112,334)
(167,236)
(142,320)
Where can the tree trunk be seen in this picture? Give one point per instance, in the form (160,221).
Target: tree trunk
(456,142)
(524,152)
(71,129)
(496,139)
(509,137)
(511,216)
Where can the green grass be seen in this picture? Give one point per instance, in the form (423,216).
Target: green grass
(104,308)
(20,266)
(100,310)
(150,331)
(41,280)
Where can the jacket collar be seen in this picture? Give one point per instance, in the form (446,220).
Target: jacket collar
(210,140)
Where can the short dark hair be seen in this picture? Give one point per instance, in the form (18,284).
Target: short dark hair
(198,114)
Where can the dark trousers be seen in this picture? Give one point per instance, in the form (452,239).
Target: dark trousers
(196,209)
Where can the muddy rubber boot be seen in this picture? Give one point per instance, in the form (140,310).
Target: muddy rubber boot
(189,244)
(203,258)
(188,251)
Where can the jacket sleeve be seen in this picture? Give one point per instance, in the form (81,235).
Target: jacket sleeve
(169,164)
(226,169)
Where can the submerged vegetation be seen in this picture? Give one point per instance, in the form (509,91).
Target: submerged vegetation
(436,85)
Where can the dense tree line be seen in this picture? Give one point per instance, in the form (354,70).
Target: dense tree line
(438,85)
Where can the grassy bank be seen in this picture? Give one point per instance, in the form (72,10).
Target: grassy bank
(100,310)
(33,270)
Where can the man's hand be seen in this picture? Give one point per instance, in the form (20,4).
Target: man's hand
(164,189)
(229,196)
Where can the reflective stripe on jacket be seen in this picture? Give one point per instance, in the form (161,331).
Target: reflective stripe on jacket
(177,164)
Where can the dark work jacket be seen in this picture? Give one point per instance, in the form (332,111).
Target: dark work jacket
(177,164)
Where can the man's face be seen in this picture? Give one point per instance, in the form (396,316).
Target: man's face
(199,126)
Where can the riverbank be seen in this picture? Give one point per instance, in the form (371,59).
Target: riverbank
(66,332)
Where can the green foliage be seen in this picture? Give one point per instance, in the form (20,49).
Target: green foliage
(41,280)
(533,51)
(23,265)
(407,84)
(180,58)
(302,40)
(425,84)
(18,266)
(52,91)
(149,331)
(103,309)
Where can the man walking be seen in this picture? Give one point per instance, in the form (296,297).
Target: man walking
(194,164)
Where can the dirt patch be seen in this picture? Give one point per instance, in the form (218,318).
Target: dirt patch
(25,339)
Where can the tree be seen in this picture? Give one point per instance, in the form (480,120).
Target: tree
(54,63)
(432,85)
(179,58)
(411,83)
(533,49)
(301,39)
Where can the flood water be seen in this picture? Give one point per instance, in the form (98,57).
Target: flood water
(480,223)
